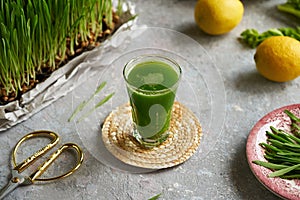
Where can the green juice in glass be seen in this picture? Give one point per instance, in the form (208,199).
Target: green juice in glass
(152,82)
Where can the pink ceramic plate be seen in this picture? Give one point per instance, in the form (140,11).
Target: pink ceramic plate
(288,189)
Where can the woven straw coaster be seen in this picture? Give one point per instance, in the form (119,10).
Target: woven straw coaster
(185,134)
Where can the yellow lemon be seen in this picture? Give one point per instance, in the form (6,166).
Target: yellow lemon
(278,58)
(217,17)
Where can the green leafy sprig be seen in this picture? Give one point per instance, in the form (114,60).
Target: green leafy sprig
(253,38)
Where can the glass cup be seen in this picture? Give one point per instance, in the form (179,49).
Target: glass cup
(151,81)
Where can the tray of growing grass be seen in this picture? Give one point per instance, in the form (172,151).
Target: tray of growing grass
(42,41)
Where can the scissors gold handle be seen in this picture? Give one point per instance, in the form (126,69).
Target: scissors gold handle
(18,179)
(26,163)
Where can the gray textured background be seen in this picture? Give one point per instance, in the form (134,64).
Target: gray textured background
(224,172)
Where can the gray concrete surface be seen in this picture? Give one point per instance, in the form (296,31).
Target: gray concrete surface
(223,173)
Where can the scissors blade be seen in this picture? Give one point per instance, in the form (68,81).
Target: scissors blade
(14,182)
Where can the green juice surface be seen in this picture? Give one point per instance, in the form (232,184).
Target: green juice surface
(153,96)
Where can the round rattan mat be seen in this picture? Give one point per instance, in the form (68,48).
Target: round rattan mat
(185,134)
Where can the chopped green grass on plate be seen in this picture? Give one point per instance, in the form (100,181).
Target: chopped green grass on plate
(282,150)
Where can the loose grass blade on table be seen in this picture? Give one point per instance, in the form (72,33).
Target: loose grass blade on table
(85,102)
(100,103)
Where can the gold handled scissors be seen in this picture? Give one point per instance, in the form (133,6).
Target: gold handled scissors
(19,179)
